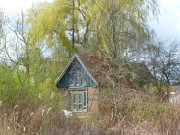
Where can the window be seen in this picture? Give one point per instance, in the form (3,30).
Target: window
(78,100)
(75,101)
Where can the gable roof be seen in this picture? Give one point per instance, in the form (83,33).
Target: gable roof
(95,68)
(84,64)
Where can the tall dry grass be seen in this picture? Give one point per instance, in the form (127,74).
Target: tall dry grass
(136,116)
(139,113)
(27,118)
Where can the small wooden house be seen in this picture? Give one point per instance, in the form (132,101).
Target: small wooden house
(80,80)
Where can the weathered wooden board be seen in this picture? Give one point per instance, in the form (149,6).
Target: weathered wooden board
(76,76)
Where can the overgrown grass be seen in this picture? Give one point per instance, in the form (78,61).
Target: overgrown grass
(28,119)
(137,117)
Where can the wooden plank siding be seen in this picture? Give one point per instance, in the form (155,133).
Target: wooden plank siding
(76,76)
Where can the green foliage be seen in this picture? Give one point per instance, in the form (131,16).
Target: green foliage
(10,90)
(61,22)
(124,24)
(17,85)
(49,22)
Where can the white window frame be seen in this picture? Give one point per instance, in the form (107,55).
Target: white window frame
(78,91)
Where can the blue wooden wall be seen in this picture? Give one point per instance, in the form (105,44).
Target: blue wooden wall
(76,76)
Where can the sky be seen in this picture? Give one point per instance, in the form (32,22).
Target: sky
(167,26)
(13,6)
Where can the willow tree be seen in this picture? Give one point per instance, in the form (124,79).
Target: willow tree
(120,24)
(115,29)
(66,24)
(119,29)
(63,24)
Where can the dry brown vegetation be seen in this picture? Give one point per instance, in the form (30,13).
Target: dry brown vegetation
(27,118)
(136,116)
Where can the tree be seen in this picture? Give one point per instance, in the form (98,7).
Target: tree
(32,72)
(114,29)
(119,29)
(62,24)
(165,65)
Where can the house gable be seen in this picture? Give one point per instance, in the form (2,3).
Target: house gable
(76,75)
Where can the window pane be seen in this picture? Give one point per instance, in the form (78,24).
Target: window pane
(80,107)
(75,98)
(85,99)
(80,98)
(75,106)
